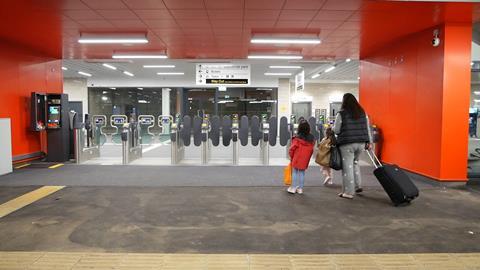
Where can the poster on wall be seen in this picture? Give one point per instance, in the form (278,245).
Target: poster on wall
(300,81)
(222,74)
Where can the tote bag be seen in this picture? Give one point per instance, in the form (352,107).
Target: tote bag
(323,154)
(335,158)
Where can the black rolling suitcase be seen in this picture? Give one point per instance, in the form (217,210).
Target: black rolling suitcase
(394,181)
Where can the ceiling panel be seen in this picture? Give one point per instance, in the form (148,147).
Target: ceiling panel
(303,4)
(122,14)
(297,15)
(160,24)
(82,15)
(92,24)
(226,14)
(333,15)
(73,4)
(292,24)
(153,14)
(342,5)
(145,4)
(264,4)
(325,24)
(184,4)
(225,4)
(194,23)
(184,24)
(128,24)
(105,4)
(262,15)
(189,14)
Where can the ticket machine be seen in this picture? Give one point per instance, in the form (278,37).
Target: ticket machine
(117,122)
(50,112)
(58,133)
(146,123)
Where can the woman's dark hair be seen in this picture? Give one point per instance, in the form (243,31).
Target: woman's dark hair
(303,128)
(329,132)
(351,106)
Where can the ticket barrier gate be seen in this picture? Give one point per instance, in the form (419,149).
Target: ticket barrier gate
(131,147)
(146,124)
(177,145)
(117,122)
(87,142)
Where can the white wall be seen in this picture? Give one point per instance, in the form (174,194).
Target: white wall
(284,102)
(323,94)
(5,146)
(77,90)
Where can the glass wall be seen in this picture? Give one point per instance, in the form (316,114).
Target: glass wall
(126,101)
(189,101)
(241,101)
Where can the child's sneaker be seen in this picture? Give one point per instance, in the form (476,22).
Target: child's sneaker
(291,190)
(299,190)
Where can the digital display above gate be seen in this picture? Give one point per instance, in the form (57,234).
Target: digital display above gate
(222,74)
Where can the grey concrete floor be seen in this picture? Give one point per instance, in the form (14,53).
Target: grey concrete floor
(7,194)
(242,220)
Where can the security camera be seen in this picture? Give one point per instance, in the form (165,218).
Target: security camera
(436,39)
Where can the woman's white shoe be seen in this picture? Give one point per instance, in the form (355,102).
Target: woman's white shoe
(291,190)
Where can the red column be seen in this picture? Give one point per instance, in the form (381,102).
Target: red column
(418,95)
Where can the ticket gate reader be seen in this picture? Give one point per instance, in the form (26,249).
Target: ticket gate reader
(100,122)
(131,147)
(117,122)
(177,146)
(146,124)
(87,143)
(205,130)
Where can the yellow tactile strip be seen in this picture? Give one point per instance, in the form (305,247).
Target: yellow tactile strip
(26,199)
(135,261)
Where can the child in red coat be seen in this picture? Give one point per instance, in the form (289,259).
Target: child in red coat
(300,153)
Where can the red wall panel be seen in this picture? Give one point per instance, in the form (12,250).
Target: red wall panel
(21,72)
(418,95)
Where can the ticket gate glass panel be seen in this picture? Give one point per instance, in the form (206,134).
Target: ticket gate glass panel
(146,123)
(117,122)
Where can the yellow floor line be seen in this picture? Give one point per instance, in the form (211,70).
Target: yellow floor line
(22,166)
(56,166)
(130,261)
(26,199)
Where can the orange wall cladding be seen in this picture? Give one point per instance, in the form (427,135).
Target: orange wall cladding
(418,95)
(23,71)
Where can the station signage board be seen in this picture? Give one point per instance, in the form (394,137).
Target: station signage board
(300,81)
(222,74)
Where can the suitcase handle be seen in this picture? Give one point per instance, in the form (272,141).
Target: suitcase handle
(376,162)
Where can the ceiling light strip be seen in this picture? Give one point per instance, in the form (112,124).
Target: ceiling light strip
(278,40)
(139,56)
(277,74)
(128,73)
(85,74)
(170,73)
(285,67)
(281,57)
(159,66)
(109,66)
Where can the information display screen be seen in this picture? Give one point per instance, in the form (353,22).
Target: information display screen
(222,74)
(53,116)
